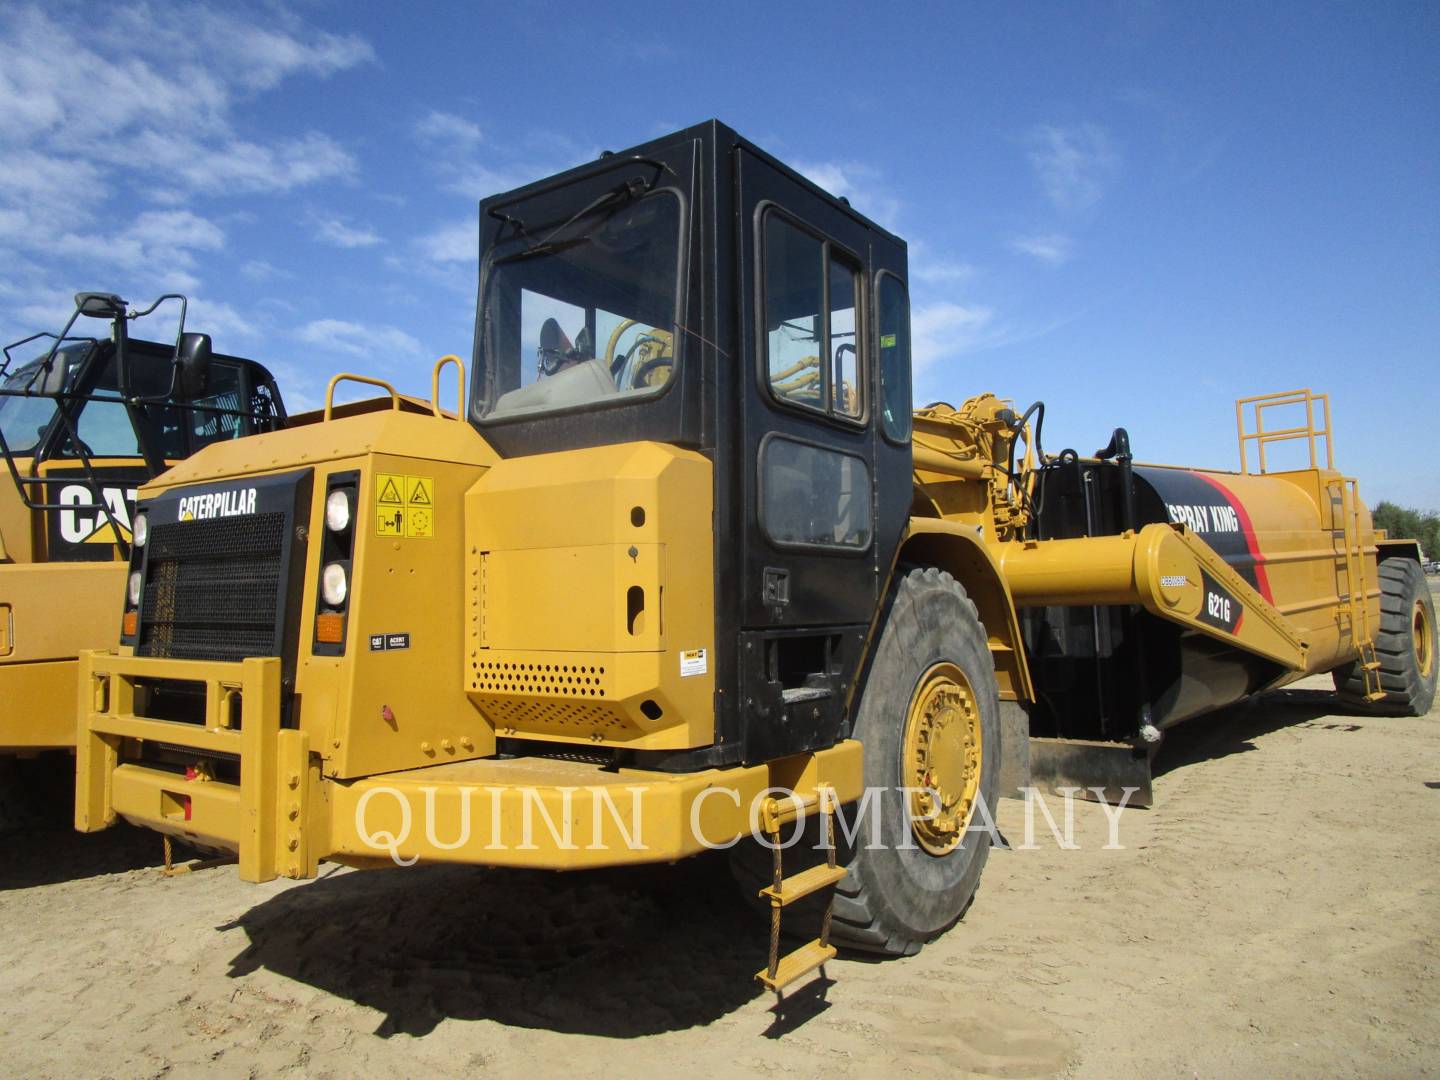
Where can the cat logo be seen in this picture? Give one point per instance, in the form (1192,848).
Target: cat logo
(217,504)
(88,524)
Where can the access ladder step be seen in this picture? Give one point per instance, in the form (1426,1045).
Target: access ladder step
(1373,665)
(1378,695)
(797,965)
(803,884)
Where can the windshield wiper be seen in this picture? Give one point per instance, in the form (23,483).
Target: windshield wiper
(630,189)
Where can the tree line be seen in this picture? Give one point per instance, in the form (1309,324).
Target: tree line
(1403,523)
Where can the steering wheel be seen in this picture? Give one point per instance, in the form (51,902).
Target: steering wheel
(615,336)
(652,351)
(644,374)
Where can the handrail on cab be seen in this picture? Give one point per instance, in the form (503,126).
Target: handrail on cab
(449,358)
(345,376)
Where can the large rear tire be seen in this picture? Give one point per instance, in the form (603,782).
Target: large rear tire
(1405,646)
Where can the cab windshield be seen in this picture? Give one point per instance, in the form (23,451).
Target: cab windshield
(584,314)
(27,397)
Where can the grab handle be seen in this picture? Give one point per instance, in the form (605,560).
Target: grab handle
(449,358)
(345,376)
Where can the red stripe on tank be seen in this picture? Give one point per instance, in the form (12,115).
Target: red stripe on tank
(1262,579)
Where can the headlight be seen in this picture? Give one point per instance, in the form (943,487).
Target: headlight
(134,589)
(140,531)
(334,585)
(337,510)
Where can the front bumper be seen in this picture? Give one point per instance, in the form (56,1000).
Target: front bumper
(284,817)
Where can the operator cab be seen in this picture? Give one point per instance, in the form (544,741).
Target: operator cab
(87,420)
(694,291)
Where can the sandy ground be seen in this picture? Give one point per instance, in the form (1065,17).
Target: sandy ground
(1275,914)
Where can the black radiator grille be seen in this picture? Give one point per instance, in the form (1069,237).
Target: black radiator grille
(213,589)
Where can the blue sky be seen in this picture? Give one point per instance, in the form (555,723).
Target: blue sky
(1134,211)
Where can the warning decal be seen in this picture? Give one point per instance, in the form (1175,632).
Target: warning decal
(404,506)
(390,490)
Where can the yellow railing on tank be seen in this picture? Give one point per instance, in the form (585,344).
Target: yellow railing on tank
(1263,437)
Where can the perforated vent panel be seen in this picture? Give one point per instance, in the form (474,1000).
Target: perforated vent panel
(530,678)
(556,693)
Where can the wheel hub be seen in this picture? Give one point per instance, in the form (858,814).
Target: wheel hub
(1420,635)
(942,758)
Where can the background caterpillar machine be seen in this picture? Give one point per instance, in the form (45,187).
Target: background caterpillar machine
(688,567)
(82,425)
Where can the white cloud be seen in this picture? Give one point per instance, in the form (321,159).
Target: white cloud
(260,270)
(33,305)
(1052,248)
(99,115)
(222,322)
(156,251)
(945,329)
(237,166)
(862,185)
(457,242)
(928,269)
(476,180)
(1073,164)
(332,230)
(167,231)
(152,110)
(368,341)
(448,129)
(453,154)
(182,68)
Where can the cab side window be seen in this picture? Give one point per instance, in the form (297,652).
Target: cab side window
(893,318)
(811,317)
(216,416)
(845,396)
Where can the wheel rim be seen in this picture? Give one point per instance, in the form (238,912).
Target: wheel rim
(1421,635)
(942,757)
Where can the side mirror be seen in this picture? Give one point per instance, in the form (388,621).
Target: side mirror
(99,305)
(192,358)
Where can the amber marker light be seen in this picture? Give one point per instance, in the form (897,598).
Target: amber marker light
(329,628)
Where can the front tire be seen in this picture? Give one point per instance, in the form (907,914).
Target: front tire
(929,716)
(1405,646)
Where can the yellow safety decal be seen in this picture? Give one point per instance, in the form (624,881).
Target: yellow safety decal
(404,506)
(391,490)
